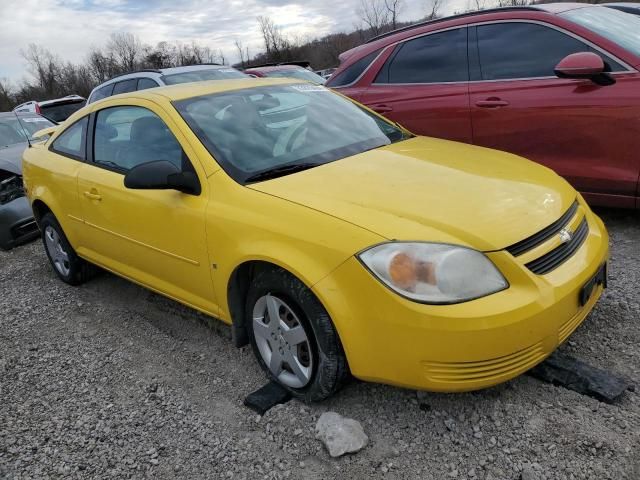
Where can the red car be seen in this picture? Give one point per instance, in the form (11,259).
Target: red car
(556,83)
(288,70)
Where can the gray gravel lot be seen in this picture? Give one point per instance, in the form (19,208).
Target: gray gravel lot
(110,380)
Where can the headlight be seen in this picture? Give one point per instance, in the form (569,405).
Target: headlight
(433,272)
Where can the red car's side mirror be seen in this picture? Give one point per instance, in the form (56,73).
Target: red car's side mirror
(584,65)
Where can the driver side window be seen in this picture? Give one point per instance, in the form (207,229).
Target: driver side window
(128,136)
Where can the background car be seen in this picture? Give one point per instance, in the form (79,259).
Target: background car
(331,247)
(56,110)
(16,218)
(326,73)
(508,79)
(286,70)
(151,78)
(633,8)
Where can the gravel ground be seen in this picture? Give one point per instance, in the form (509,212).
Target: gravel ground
(111,380)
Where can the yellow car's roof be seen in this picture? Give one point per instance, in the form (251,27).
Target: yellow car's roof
(196,89)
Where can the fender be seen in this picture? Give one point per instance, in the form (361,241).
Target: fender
(241,228)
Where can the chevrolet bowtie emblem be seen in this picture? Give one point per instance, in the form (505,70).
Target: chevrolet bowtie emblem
(565,235)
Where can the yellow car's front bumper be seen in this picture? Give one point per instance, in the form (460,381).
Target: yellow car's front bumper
(468,346)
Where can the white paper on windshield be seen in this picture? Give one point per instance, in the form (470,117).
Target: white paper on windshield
(34,120)
(309,88)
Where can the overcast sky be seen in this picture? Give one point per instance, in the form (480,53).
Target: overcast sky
(69,27)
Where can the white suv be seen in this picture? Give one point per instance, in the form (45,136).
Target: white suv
(56,110)
(150,78)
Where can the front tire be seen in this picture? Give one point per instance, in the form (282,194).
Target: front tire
(301,349)
(69,267)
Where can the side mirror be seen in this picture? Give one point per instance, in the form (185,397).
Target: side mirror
(161,175)
(586,66)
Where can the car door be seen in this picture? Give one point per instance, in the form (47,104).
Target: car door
(585,132)
(423,85)
(155,237)
(68,155)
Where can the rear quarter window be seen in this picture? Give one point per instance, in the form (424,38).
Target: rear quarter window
(125,86)
(102,92)
(144,83)
(353,72)
(71,142)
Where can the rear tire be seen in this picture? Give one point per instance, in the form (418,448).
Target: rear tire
(319,363)
(69,267)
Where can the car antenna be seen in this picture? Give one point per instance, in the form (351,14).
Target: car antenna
(24,130)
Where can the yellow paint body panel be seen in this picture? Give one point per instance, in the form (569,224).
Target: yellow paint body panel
(313,223)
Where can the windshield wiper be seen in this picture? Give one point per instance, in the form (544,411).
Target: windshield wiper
(280,171)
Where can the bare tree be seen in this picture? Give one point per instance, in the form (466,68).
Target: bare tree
(275,42)
(126,49)
(433,9)
(394,7)
(44,66)
(374,14)
(6,94)
(243,52)
(266,27)
(160,56)
(102,66)
(477,4)
(221,58)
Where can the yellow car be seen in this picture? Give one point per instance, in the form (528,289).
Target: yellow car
(331,239)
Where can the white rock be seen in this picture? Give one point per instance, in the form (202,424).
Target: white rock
(339,434)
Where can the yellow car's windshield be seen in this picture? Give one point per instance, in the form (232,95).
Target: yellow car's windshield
(264,132)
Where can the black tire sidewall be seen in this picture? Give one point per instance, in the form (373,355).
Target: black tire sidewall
(329,362)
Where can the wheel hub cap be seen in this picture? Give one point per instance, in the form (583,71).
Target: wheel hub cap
(282,341)
(59,256)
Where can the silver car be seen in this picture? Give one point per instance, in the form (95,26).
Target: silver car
(150,78)
(17,224)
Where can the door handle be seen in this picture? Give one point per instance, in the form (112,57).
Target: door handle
(93,195)
(382,108)
(492,103)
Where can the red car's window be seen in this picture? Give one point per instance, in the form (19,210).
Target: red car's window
(436,58)
(526,50)
(352,72)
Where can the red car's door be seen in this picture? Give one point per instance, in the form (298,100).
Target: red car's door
(424,85)
(585,132)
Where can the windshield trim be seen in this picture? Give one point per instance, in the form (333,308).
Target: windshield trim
(319,159)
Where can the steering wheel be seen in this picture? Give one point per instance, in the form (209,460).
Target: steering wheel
(294,136)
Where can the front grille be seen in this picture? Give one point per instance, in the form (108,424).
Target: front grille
(559,255)
(493,369)
(543,235)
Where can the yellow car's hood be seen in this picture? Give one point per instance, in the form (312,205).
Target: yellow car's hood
(433,190)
